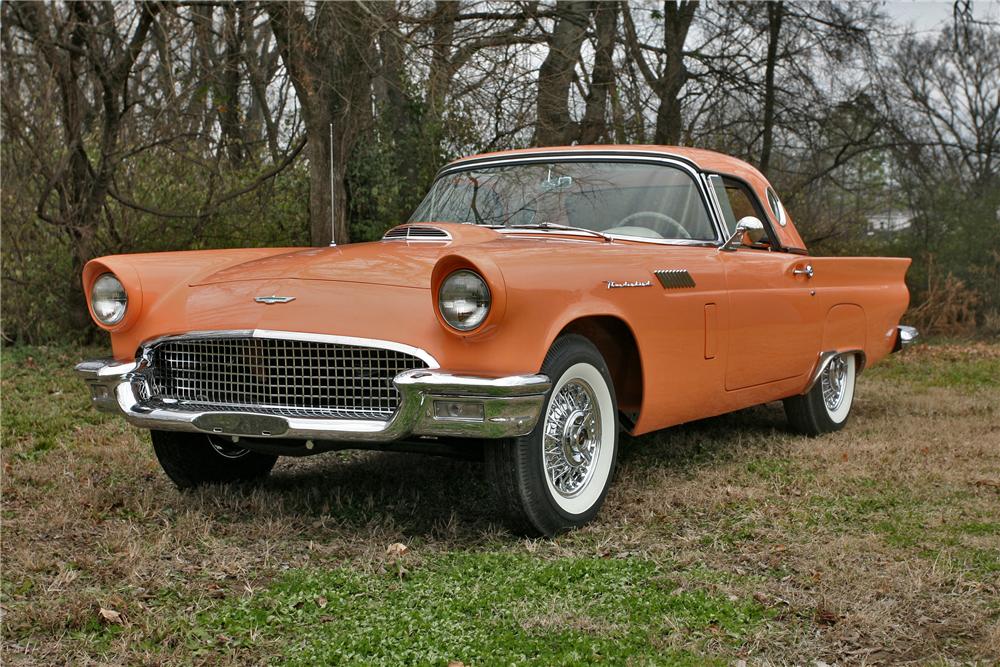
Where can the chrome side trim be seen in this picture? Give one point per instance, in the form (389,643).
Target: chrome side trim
(824,360)
(905,336)
(674,278)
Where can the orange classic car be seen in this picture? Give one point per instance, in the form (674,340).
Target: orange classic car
(535,305)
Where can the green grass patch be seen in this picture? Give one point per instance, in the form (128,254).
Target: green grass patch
(489,609)
(977,528)
(946,371)
(44,403)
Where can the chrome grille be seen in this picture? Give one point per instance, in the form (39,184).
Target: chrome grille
(276,376)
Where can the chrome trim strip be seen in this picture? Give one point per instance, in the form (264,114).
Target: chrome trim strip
(442,383)
(826,357)
(623,152)
(145,347)
(615,155)
(614,237)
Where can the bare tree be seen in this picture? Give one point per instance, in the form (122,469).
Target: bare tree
(75,40)
(330,59)
(594,124)
(554,125)
(668,80)
(775,12)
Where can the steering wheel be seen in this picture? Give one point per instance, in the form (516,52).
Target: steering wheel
(661,222)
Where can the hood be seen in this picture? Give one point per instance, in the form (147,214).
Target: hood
(404,257)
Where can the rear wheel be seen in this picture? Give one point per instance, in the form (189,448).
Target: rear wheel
(826,407)
(192,459)
(556,478)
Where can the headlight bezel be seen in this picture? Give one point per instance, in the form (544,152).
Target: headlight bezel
(118,315)
(486,305)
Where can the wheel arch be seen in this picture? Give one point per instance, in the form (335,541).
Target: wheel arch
(619,347)
(844,332)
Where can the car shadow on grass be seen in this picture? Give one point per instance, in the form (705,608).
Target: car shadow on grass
(444,498)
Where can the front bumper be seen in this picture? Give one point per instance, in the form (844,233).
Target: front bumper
(510,407)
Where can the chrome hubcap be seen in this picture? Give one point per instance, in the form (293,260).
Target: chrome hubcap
(226,449)
(834,383)
(572,438)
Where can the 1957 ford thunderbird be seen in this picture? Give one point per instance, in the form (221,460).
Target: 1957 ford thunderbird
(536,304)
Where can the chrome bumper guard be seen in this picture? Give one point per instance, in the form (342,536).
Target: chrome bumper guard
(432,403)
(904,336)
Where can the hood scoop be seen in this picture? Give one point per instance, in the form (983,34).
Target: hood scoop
(416,233)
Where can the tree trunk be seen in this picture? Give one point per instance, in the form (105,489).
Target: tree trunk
(677,18)
(774,14)
(328,60)
(391,92)
(81,186)
(553,124)
(230,124)
(439,77)
(594,126)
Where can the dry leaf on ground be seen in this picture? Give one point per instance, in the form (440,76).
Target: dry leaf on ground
(397,550)
(110,616)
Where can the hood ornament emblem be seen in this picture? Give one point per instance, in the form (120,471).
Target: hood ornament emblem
(274,299)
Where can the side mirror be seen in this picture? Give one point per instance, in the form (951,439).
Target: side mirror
(750,226)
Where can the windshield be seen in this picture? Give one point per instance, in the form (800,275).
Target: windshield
(628,199)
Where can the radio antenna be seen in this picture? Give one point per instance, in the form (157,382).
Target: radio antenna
(333,221)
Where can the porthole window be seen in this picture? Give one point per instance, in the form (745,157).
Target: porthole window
(776,208)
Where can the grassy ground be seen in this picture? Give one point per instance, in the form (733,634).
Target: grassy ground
(723,540)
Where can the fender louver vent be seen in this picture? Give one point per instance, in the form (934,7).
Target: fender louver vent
(417,233)
(674,278)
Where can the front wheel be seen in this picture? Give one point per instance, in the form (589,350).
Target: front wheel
(192,459)
(556,478)
(826,407)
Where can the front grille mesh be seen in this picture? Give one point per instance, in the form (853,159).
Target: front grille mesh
(275,376)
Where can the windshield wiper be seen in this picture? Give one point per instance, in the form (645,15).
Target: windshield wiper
(553,225)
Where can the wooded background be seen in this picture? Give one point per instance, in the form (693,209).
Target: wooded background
(134,127)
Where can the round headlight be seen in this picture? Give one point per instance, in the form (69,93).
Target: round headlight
(108,299)
(464,300)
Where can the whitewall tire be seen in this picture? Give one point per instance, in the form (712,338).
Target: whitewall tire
(557,477)
(828,403)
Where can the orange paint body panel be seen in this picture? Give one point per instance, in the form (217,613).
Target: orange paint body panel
(749,331)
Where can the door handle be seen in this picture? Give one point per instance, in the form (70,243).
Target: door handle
(807,271)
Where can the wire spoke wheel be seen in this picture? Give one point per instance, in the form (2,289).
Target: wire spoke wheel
(557,477)
(827,404)
(572,437)
(834,383)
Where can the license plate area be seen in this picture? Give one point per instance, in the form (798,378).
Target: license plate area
(235,423)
